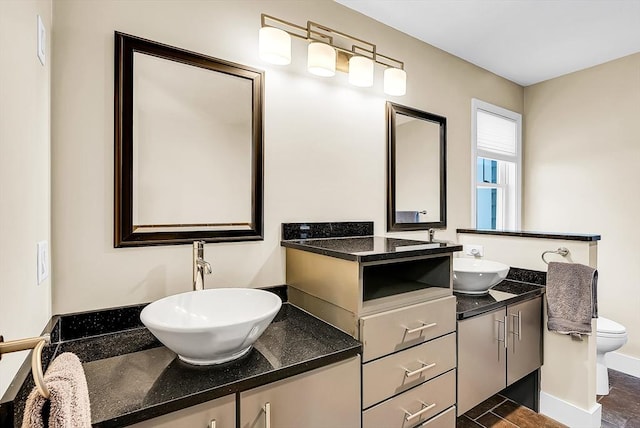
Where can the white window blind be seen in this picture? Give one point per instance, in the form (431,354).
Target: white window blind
(496,134)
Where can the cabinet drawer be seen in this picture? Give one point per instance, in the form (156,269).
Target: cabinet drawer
(391,331)
(418,404)
(221,410)
(322,398)
(398,372)
(443,420)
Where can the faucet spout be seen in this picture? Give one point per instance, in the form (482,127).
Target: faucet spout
(200,266)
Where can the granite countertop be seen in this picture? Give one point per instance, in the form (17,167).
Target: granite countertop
(132,377)
(534,234)
(503,294)
(371,248)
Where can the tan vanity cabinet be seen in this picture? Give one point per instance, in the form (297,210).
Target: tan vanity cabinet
(404,313)
(497,349)
(218,413)
(325,397)
(482,358)
(524,339)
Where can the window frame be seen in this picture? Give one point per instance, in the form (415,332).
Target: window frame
(477,105)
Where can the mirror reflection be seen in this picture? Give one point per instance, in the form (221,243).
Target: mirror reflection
(188,146)
(179,127)
(417,169)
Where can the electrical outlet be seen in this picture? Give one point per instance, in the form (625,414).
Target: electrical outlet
(473,250)
(43,261)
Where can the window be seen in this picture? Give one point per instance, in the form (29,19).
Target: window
(496,167)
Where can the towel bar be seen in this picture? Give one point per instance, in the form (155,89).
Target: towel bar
(35,343)
(563,251)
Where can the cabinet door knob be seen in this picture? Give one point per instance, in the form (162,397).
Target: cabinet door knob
(424,326)
(267,415)
(212,424)
(426,407)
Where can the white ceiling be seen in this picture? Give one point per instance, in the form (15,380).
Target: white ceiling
(525,41)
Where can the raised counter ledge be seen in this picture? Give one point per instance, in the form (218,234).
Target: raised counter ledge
(371,248)
(533,234)
(132,377)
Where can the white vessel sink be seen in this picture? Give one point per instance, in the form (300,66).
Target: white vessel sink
(211,326)
(472,276)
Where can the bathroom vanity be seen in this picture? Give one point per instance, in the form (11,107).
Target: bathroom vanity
(134,380)
(499,341)
(395,296)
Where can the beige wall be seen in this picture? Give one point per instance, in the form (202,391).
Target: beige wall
(325,145)
(581,174)
(25,307)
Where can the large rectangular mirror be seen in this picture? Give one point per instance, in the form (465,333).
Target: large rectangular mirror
(188,138)
(416,170)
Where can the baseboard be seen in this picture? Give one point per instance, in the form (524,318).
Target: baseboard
(623,363)
(569,414)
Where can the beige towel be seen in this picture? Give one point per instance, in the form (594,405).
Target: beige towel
(68,404)
(571,298)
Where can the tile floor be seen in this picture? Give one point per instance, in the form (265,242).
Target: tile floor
(500,412)
(620,409)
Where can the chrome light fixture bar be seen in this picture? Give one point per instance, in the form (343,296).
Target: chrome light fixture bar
(325,55)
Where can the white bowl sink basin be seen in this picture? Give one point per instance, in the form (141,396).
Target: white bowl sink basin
(211,326)
(474,276)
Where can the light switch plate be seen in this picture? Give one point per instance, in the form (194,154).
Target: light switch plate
(473,250)
(43,261)
(42,40)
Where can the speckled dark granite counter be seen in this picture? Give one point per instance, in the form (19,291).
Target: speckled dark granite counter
(503,294)
(534,234)
(132,377)
(371,248)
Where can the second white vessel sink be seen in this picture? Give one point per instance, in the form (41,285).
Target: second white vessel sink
(211,326)
(475,276)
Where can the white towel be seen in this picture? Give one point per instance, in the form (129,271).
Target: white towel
(68,404)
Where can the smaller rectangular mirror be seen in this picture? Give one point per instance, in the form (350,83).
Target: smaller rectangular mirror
(416,170)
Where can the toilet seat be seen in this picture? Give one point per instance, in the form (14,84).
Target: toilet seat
(607,327)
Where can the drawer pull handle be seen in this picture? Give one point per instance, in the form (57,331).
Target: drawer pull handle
(212,424)
(424,326)
(410,416)
(425,366)
(267,415)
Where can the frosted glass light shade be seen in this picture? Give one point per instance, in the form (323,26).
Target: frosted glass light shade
(395,81)
(321,59)
(274,46)
(360,71)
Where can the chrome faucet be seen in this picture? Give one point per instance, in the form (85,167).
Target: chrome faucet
(200,266)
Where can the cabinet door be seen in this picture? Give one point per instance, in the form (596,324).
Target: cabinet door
(326,397)
(524,339)
(482,358)
(218,413)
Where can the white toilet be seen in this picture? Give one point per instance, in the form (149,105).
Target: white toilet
(610,336)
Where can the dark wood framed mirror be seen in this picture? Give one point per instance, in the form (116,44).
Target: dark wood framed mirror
(416,169)
(188,146)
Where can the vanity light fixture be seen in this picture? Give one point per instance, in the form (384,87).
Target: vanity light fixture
(275,46)
(321,59)
(330,50)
